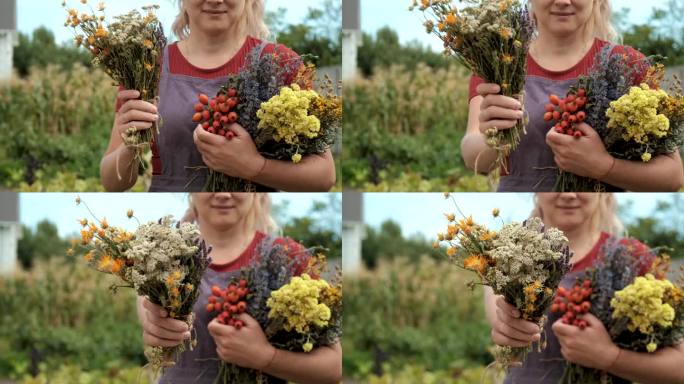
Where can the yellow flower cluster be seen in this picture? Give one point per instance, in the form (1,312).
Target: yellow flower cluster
(288,114)
(298,304)
(637,114)
(643,304)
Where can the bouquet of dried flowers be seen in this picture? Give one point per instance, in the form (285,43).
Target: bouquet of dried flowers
(491,38)
(523,262)
(129,50)
(641,313)
(285,119)
(296,312)
(624,104)
(163,261)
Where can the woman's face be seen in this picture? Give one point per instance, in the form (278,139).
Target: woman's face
(562,17)
(568,211)
(222,211)
(214,16)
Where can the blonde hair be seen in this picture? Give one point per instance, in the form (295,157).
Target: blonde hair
(258,218)
(253,19)
(604,219)
(600,23)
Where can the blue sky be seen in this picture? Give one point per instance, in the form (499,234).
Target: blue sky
(422,213)
(61,209)
(395,14)
(33,13)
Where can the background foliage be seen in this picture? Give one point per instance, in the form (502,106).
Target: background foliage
(58,111)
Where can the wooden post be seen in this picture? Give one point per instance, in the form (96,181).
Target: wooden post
(351,37)
(8,27)
(353,231)
(10,230)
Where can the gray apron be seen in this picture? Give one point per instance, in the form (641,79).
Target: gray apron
(531,165)
(182,168)
(200,366)
(547,366)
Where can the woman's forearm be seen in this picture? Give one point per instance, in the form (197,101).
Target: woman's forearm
(122,178)
(663,173)
(477,155)
(662,367)
(313,173)
(320,366)
(490,305)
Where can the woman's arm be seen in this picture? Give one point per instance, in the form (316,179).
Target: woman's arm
(248,347)
(592,347)
(477,155)
(508,329)
(488,110)
(119,168)
(661,367)
(313,173)
(587,156)
(662,173)
(239,157)
(321,365)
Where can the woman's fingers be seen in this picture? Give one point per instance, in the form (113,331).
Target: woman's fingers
(495,112)
(498,124)
(136,115)
(138,105)
(128,94)
(154,309)
(487,89)
(500,339)
(155,341)
(162,333)
(501,101)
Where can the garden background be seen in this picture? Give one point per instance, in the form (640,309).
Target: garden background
(409,316)
(57,112)
(406,114)
(59,321)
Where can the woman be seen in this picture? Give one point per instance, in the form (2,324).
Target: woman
(215,38)
(570,35)
(589,221)
(234,224)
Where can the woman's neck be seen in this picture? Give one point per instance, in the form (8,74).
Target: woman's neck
(581,239)
(559,53)
(210,50)
(226,244)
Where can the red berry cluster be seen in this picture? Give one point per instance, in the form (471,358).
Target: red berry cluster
(218,113)
(229,302)
(573,304)
(567,112)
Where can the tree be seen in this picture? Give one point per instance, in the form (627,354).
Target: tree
(659,229)
(388,241)
(320,226)
(662,35)
(40,50)
(44,243)
(384,49)
(320,34)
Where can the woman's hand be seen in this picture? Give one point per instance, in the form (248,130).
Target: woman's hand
(497,111)
(246,347)
(584,156)
(134,113)
(508,329)
(590,347)
(237,157)
(158,329)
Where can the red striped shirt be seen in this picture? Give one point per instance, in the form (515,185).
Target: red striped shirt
(639,251)
(179,65)
(581,68)
(293,248)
